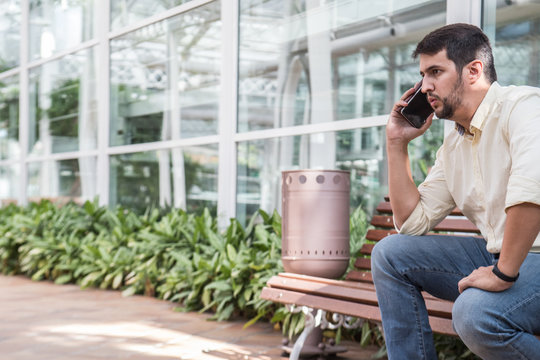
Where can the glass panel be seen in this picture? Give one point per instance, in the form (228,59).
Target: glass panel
(57,25)
(184,178)
(10,34)
(517,42)
(423,150)
(165,79)
(9,118)
(260,164)
(126,12)
(73,179)
(9,183)
(315,62)
(63,105)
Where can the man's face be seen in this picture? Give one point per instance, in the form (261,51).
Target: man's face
(442,84)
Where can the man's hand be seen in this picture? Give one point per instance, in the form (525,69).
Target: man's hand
(484,278)
(398,129)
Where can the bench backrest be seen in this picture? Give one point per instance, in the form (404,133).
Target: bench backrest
(383,224)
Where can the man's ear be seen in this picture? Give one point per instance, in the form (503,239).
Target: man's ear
(474,71)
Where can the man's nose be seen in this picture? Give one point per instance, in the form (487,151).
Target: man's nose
(427,86)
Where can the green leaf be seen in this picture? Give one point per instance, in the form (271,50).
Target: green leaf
(231,253)
(117,281)
(366,334)
(64,279)
(219,285)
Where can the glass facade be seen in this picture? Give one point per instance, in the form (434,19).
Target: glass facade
(260,163)
(71,179)
(63,105)
(9,118)
(320,63)
(202,103)
(10,24)
(517,43)
(184,178)
(165,79)
(58,25)
(127,12)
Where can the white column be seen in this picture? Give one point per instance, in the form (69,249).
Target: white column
(102,73)
(322,146)
(228,114)
(177,154)
(24,104)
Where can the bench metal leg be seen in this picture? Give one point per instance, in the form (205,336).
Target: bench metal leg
(310,342)
(299,344)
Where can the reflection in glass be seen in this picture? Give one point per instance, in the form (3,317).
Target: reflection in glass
(9,118)
(260,163)
(9,183)
(63,105)
(326,61)
(165,79)
(127,12)
(10,38)
(182,178)
(59,25)
(73,179)
(517,43)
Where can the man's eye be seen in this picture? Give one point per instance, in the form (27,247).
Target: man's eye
(435,71)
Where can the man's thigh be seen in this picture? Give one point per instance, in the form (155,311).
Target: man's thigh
(515,308)
(435,263)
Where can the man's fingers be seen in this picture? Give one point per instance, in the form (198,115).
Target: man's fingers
(463,284)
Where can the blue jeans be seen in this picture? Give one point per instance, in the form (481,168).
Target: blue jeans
(493,325)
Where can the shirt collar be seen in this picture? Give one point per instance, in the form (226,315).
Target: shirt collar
(486,106)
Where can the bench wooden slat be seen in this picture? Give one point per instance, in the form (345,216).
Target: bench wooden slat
(324,281)
(366,249)
(362,263)
(385,208)
(448,224)
(355,275)
(368,312)
(378,234)
(348,291)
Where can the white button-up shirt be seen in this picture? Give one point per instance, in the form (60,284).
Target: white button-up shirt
(496,167)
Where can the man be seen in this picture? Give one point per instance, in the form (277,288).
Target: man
(489,168)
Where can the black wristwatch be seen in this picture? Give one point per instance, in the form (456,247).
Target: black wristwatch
(502,276)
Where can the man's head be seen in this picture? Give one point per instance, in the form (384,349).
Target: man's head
(463,43)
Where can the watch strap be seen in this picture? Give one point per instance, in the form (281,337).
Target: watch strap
(503,276)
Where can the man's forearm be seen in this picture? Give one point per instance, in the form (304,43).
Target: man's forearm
(522,228)
(403,193)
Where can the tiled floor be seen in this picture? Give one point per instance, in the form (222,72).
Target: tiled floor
(44,321)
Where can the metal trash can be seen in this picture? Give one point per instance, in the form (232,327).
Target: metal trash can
(315,222)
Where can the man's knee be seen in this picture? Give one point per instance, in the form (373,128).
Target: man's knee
(384,250)
(474,322)
(387,254)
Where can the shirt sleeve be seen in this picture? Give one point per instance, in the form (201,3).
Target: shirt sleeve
(435,203)
(523,137)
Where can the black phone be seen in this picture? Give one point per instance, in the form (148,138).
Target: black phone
(418,108)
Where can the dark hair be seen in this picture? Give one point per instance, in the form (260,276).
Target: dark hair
(463,43)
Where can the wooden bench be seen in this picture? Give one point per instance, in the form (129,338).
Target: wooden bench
(355,296)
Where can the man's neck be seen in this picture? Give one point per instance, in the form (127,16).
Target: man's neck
(474,98)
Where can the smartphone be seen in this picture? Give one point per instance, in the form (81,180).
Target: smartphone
(418,109)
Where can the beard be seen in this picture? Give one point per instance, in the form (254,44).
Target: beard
(451,102)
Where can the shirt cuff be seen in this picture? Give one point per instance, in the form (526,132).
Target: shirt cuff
(522,189)
(414,224)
